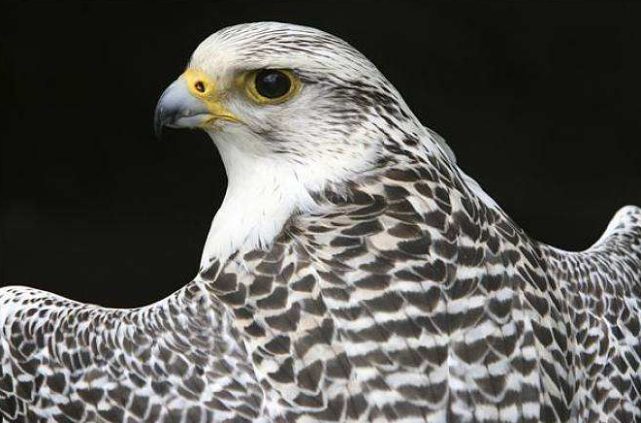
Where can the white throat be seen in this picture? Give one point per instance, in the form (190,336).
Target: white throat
(262,194)
(265,188)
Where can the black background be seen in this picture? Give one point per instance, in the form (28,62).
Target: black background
(540,101)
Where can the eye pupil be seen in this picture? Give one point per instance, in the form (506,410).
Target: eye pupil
(272,83)
(200,87)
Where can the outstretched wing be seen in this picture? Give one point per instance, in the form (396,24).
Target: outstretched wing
(31,354)
(64,361)
(602,287)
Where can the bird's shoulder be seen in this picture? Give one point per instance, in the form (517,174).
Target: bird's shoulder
(425,208)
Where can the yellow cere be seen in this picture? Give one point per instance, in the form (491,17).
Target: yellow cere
(201,86)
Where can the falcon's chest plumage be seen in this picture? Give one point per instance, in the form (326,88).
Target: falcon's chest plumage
(409,299)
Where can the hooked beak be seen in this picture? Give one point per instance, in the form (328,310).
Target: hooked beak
(191,101)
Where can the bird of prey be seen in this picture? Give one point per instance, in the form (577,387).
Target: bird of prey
(354,273)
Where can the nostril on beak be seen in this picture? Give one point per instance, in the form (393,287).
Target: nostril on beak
(200,86)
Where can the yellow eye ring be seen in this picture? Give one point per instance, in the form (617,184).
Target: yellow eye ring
(271,86)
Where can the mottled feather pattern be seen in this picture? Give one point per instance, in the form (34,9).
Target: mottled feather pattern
(175,361)
(387,287)
(601,292)
(414,301)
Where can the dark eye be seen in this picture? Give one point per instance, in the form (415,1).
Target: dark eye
(272,83)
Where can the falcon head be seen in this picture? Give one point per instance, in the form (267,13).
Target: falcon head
(293,95)
(292,110)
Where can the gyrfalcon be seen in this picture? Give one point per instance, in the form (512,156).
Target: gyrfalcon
(353,273)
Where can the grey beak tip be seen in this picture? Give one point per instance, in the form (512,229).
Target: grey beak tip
(174,103)
(160,114)
(158,124)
